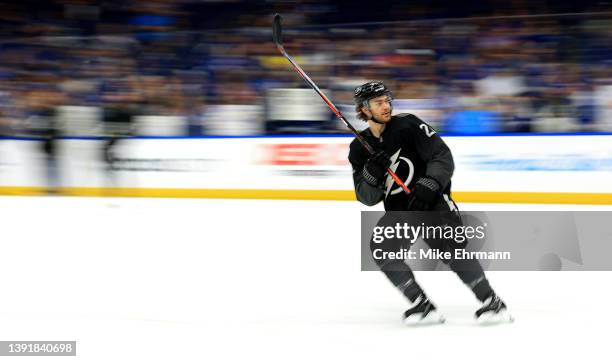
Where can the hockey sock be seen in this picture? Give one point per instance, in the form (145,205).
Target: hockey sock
(481,288)
(471,274)
(402,277)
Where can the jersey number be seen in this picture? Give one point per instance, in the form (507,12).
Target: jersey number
(428,131)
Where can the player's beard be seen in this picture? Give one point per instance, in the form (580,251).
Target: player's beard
(376,120)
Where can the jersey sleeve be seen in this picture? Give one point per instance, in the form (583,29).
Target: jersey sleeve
(433,150)
(366,194)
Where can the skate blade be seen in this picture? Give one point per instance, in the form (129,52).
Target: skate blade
(492,318)
(431,318)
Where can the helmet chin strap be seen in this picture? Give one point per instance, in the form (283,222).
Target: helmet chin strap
(376,121)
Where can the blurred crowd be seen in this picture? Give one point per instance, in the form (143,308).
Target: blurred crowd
(189,68)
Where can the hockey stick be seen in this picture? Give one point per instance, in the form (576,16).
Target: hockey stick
(277,36)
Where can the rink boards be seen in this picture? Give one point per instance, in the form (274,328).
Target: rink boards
(560,169)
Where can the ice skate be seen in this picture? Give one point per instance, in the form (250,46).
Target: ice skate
(493,311)
(422,312)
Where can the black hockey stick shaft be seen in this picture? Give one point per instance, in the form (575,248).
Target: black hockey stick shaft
(277,36)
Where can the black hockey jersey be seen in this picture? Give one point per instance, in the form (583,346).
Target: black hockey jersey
(416,151)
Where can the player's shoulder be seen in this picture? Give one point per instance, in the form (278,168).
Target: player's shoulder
(355,144)
(406,120)
(357,152)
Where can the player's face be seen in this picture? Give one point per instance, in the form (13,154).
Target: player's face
(380,109)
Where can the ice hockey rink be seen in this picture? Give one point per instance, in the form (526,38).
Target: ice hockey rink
(219,280)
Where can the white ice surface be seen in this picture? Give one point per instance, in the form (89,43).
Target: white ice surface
(235,280)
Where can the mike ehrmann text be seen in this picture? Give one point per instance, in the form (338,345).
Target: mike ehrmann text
(437,254)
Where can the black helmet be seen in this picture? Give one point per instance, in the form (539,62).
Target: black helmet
(370,90)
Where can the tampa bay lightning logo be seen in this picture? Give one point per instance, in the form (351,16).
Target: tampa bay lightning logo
(395,162)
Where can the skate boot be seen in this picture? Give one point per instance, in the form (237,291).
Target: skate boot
(493,311)
(422,312)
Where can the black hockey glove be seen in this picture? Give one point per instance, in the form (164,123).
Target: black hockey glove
(375,168)
(424,194)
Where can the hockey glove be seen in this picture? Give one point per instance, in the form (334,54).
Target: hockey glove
(424,194)
(375,168)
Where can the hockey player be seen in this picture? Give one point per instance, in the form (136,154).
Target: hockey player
(419,156)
